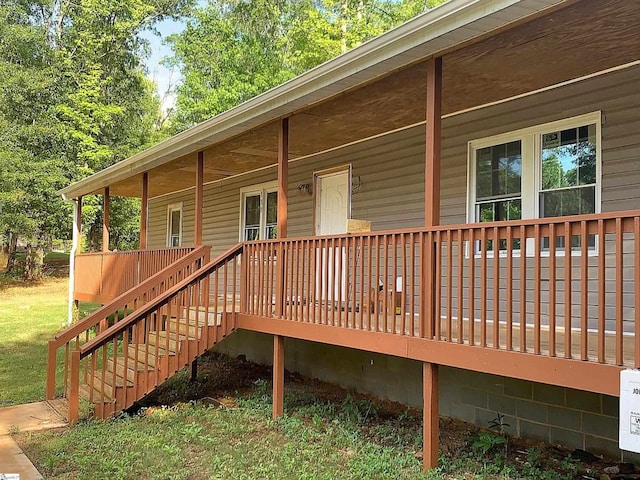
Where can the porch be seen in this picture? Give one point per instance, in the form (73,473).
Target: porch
(550,299)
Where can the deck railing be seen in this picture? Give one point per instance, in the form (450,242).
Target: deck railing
(150,344)
(561,287)
(81,332)
(102,276)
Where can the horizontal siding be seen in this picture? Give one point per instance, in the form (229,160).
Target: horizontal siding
(390,169)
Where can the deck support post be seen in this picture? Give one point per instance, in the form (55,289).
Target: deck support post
(430,415)
(429,253)
(144,210)
(106,207)
(194,371)
(278,376)
(76,247)
(199,200)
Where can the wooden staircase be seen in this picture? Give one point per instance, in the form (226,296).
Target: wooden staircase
(147,335)
(127,378)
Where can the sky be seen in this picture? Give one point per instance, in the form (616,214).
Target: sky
(164,78)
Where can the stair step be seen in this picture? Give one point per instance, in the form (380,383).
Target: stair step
(85,390)
(150,358)
(183,326)
(132,368)
(162,335)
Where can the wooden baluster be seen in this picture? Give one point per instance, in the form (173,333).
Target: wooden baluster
(412,284)
(568,287)
(472,286)
(483,287)
(536,292)
(509,306)
(523,289)
(619,290)
(460,246)
(496,288)
(448,333)
(552,290)
(74,388)
(602,298)
(436,314)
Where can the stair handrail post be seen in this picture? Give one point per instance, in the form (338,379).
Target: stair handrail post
(74,388)
(52,349)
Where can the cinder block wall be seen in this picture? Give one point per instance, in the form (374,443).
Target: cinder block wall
(572,418)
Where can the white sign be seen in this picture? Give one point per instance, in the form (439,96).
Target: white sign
(630,410)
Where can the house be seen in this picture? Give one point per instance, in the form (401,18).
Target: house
(493,145)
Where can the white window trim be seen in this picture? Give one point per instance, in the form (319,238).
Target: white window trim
(172,207)
(531,171)
(258,189)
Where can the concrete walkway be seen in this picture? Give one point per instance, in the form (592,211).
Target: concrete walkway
(30,417)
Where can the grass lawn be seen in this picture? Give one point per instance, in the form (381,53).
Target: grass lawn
(327,433)
(30,314)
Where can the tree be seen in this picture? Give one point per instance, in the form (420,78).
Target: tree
(233,50)
(73,100)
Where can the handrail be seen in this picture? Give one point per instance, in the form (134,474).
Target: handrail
(119,302)
(528,222)
(131,252)
(163,298)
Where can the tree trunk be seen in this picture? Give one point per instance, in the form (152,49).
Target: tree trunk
(11,252)
(33,261)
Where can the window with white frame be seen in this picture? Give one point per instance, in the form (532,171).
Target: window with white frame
(549,170)
(259,212)
(174,225)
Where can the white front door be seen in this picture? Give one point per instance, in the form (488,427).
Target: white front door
(332,207)
(332,211)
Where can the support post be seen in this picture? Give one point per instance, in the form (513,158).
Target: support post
(430,251)
(194,370)
(432,166)
(75,248)
(430,415)
(283,177)
(278,376)
(144,210)
(283,182)
(106,202)
(199,200)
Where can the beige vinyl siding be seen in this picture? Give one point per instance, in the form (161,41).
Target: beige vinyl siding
(389,170)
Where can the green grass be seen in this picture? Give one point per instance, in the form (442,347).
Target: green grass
(316,439)
(30,314)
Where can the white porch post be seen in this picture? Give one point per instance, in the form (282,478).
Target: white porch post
(77,229)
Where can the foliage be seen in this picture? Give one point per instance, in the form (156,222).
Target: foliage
(232,50)
(74,100)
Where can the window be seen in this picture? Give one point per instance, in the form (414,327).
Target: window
(550,170)
(174,225)
(259,212)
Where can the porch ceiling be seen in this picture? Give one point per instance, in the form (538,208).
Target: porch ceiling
(583,38)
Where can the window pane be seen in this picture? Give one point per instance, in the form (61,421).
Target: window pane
(175,222)
(572,201)
(252,210)
(569,157)
(272,208)
(251,233)
(500,210)
(499,170)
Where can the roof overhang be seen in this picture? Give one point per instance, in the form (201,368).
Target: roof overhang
(438,31)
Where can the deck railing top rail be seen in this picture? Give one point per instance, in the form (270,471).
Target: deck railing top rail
(119,302)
